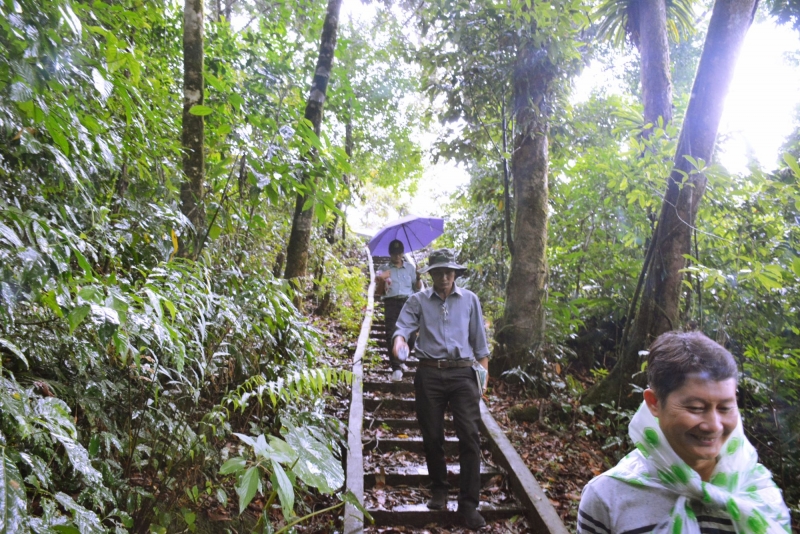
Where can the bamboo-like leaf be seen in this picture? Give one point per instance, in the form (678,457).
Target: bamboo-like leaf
(13,504)
(10,235)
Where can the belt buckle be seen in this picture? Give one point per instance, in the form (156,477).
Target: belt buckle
(439,364)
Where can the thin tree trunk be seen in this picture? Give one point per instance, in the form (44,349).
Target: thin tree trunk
(655,65)
(522,326)
(660,307)
(300,238)
(193,125)
(330,233)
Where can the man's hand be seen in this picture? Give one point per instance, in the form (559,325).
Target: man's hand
(399,342)
(485,364)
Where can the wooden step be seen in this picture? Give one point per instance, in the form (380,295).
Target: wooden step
(402,424)
(418,515)
(412,444)
(417,475)
(391,403)
(396,388)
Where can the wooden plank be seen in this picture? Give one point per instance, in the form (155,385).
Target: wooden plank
(541,514)
(417,476)
(418,515)
(412,444)
(353,517)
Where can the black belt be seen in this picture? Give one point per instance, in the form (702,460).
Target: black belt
(446,364)
(396,297)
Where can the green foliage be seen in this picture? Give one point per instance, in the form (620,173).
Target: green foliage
(124,367)
(619,19)
(302,458)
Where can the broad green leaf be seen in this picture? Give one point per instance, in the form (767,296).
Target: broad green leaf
(316,465)
(236,100)
(76,316)
(14,350)
(796,264)
(233,465)
(200,110)
(215,232)
(87,269)
(13,504)
(791,161)
(86,520)
(246,489)
(79,458)
(282,484)
(155,302)
(247,439)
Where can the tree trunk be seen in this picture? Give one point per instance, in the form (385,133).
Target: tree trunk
(660,307)
(300,238)
(655,66)
(330,232)
(506,177)
(522,325)
(193,125)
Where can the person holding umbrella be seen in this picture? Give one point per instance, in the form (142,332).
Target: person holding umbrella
(453,369)
(402,280)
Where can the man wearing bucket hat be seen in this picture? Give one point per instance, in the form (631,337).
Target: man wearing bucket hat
(451,340)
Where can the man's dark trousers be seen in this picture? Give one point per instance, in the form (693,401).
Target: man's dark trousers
(435,389)
(392,308)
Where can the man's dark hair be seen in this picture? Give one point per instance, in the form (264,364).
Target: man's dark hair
(674,355)
(396,246)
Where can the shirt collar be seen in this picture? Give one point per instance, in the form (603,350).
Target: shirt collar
(456,291)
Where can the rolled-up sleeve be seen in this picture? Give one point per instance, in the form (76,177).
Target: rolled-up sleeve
(477,331)
(408,321)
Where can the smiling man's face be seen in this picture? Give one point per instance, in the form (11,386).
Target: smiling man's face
(697,419)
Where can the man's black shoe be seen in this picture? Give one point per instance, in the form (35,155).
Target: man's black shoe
(438,501)
(472,518)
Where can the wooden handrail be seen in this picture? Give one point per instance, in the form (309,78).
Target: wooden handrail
(353,517)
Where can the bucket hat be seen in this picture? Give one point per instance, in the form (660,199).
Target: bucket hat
(443,258)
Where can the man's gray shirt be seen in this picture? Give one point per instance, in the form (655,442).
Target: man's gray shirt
(403,279)
(450,329)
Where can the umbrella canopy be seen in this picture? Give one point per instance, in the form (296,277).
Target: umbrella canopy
(413,231)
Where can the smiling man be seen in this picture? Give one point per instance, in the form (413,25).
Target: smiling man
(693,469)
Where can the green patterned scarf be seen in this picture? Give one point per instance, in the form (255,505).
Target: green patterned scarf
(739,486)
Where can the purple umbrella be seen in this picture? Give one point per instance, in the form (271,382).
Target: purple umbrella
(413,231)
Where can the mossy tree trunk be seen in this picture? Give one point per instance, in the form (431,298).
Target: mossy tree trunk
(522,326)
